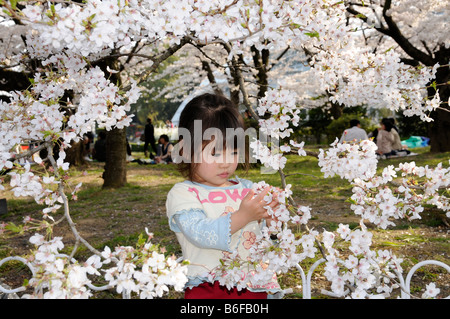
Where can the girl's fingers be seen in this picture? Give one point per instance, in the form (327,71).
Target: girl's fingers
(261,195)
(274,203)
(249,195)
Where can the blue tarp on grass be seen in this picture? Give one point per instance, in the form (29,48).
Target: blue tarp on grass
(416,141)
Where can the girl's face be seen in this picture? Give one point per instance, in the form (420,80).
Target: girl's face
(216,167)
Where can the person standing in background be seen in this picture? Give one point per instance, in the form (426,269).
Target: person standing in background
(149,135)
(99,152)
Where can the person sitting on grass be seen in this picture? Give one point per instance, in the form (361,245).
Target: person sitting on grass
(385,139)
(166,150)
(354,134)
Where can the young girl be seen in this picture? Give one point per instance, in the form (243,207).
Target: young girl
(212,213)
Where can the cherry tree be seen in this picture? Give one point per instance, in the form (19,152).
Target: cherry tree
(414,31)
(417,32)
(70,41)
(209,68)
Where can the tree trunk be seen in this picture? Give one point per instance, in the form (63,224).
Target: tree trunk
(439,129)
(261,61)
(336,109)
(440,132)
(115,174)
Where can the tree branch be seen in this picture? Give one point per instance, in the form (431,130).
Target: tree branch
(211,78)
(161,58)
(61,192)
(279,57)
(30,153)
(238,73)
(394,32)
(293,203)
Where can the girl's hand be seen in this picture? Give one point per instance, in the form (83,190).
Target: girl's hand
(251,209)
(273,205)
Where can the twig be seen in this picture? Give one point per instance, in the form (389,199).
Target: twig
(32,151)
(395,183)
(308,153)
(293,203)
(159,59)
(286,175)
(66,208)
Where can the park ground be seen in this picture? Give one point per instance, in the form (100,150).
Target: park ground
(117,216)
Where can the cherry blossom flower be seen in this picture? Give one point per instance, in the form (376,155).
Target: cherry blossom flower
(431,291)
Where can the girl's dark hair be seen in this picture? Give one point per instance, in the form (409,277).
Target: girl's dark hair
(214,111)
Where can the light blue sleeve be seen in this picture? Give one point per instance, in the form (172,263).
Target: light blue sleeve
(245,182)
(202,231)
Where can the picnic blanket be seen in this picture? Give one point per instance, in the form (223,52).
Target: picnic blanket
(416,141)
(398,154)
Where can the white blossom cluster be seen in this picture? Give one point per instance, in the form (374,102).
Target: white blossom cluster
(282,108)
(273,156)
(43,187)
(376,202)
(369,274)
(394,194)
(355,272)
(349,160)
(270,256)
(55,276)
(366,274)
(143,270)
(99,26)
(104,24)
(269,157)
(283,112)
(149,277)
(286,254)
(418,25)
(37,115)
(373,199)
(381,79)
